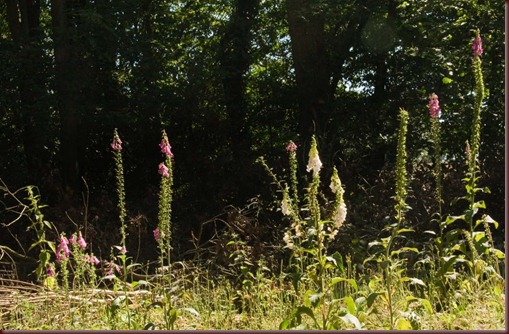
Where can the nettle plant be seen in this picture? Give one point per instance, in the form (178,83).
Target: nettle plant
(307,238)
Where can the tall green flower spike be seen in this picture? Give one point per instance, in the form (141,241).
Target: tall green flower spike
(165,199)
(401,173)
(116,145)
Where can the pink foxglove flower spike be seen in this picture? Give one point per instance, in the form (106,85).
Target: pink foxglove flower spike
(434,106)
(81,241)
(477,46)
(163,170)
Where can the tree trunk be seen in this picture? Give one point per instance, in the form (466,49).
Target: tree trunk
(69,87)
(306,27)
(23,21)
(235,59)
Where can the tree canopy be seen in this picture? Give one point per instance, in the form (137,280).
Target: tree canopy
(231,80)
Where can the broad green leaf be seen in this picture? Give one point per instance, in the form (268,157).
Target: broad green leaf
(350,281)
(44,257)
(51,245)
(314,298)
(449,261)
(480,205)
(339,261)
(403,324)
(192,311)
(413,280)
(371,298)
(50,282)
(350,304)
(172,315)
(478,235)
(284,324)
(34,244)
(404,249)
(446,80)
(374,243)
(404,230)
(305,310)
(498,253)
(490,220)
(351,319)
(452,219)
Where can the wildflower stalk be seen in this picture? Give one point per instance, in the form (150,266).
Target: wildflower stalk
(434,109)
(314,165)
(400,207)
(435,129)
(291,148)
(474,142)
(165,199)
(401,173)
(116,145)
(163,232)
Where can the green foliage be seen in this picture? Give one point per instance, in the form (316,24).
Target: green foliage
(143,66)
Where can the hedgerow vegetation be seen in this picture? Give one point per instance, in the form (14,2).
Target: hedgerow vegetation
(332,172)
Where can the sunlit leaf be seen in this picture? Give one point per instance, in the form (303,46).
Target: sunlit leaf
(351,319)
(350,304)
(403,324)
(192,311)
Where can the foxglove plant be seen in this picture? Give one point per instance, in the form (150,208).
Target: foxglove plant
(387,255)
(474,239)
(339,208)
(116,146)
(434,112)
(291,148)
(163,235)
(307,239)
(475,139)
(62,258)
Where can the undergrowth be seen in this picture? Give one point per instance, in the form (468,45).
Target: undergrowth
(454,281)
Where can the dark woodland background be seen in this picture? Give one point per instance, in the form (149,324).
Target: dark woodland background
(232,80)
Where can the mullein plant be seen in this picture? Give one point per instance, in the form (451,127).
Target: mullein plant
(116,146)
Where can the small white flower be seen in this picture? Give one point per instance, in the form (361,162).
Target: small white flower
(285,206)
(314,164)
(340,215)
(298,232)
(335,183)
(333,234)
(288,241)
